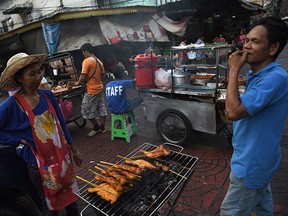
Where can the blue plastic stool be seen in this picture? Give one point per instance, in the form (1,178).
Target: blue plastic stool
(123,126)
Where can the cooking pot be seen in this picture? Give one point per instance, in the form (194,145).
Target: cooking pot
(181,79)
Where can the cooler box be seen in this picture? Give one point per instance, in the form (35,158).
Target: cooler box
(145,66)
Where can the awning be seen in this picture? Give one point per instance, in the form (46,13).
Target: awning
(132,27)
(73,14)
(176,27)
(19,8)
(255,4)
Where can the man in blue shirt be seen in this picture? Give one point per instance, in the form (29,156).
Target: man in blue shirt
(259,117)
(117,97)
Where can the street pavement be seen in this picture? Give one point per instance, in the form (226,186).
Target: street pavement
(204,192)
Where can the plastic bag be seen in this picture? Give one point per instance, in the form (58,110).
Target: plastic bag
(163,79)
(66,107)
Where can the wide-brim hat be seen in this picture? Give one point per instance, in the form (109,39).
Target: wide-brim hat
(14,65)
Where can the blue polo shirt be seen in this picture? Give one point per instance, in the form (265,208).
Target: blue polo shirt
(257,138)
(116,95)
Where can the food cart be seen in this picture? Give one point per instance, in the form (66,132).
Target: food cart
(62,70)
(186,91)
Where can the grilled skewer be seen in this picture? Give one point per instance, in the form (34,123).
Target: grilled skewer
(166,168)
(129,175)
(132,169)
(106,192)
(110,180)
(122,179)
(162,166)
(142,164)
(157,152)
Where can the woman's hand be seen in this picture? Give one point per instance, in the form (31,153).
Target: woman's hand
(76,155)
(77,158)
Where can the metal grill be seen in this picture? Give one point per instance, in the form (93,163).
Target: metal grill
(151,192)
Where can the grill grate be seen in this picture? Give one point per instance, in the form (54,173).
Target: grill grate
(151,192)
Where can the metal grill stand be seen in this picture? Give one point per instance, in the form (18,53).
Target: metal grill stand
(150,193)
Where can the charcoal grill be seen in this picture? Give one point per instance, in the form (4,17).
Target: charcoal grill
(150,193)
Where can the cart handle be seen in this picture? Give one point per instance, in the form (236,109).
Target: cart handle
(132,58)
(177,146)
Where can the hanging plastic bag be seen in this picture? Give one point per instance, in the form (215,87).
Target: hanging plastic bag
(163,79)
(66,107)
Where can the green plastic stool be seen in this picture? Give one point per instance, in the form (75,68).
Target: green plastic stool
(125,127)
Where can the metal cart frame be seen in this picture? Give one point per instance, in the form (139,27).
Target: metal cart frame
(179,110)
(62,69)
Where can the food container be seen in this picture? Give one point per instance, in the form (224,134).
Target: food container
(145,66)
(202,78)
(180,80)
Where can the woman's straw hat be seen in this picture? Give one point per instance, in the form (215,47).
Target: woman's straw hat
(14,64)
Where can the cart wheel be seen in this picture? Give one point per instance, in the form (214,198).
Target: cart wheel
(80,122)
(174,127)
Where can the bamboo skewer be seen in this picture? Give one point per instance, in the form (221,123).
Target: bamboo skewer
(138,156)
(97,173)
(177,174)
(169,169)
(88,182)
(124,158)
(107,163)
(99,168)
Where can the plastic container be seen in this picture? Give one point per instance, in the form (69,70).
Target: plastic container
(145,66)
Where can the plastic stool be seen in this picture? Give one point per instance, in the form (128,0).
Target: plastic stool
(126,126)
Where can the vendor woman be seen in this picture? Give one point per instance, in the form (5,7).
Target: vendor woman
(32,122)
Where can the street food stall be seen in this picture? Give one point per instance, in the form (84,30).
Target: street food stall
(186,91)
(62,71)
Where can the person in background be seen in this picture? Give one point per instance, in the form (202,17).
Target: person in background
(117,97)
(32,122)
(180,56)
(242,38)
(259,117)
(152,49)
(200,40)
(220,39)
(200,55)
(93,102)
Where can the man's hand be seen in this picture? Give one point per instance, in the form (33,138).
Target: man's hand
(237,60)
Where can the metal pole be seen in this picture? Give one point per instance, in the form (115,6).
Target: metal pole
(61,4)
